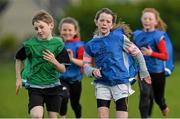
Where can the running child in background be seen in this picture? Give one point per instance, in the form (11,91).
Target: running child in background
(43,52)
(71,80)
(152,42)
(111,71)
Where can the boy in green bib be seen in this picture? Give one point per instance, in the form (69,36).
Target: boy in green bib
(45,55)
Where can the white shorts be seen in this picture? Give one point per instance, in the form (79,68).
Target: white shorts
(116,92)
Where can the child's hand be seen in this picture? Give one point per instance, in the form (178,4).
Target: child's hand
(133,50)
(146,51)
(70,53)
(18,85)
(47,55)
(97,73)
(147,80)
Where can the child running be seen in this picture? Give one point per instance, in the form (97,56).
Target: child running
(43,53)
(108,49)
(70,32)
(151,40)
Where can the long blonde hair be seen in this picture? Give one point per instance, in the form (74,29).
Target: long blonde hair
(161,25)
(126,28)
(123,25)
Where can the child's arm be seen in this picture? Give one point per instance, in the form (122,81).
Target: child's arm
(19,65)
(162,54)
(79,60)
(20,56)
(63,58)
(136,53)
(88,69)
(47,55)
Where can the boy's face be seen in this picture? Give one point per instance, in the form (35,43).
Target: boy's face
(104,23)
(43,29)
(149,21)
(67,31)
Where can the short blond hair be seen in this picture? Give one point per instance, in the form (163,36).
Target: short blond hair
(44,16)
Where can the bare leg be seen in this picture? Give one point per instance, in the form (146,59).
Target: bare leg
(52,114)
(122,114)
(37,112)
(63,116)
(103,112)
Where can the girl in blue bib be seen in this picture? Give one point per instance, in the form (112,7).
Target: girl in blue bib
(109,50)
(70,32)
(152,42)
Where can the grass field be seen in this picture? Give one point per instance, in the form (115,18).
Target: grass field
(16,106)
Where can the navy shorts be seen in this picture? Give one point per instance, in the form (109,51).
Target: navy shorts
(49,96)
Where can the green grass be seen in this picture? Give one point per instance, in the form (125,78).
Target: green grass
(16,106)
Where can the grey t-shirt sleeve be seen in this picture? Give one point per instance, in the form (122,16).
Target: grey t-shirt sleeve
(131,48)
(88,69)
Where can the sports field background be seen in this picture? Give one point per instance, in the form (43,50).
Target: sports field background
(16,106)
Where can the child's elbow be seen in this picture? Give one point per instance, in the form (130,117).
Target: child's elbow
(166,57)
(63,69)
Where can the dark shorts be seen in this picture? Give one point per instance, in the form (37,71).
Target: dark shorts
(48,96)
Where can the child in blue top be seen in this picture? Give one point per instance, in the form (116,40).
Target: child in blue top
(108,49)
(71,79)
(152,42)
(43,54)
